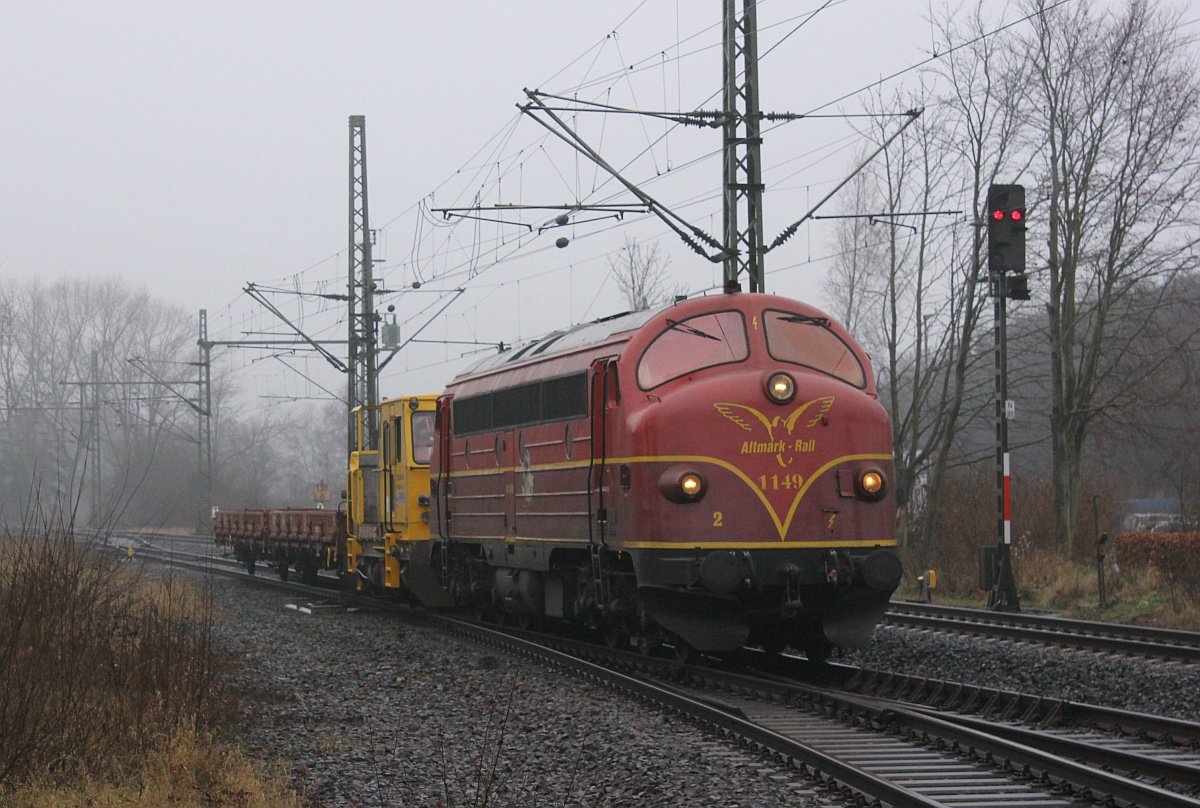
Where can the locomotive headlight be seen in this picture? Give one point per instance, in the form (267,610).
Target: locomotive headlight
(870,484)
(691,485)
(781,388)
(681,484)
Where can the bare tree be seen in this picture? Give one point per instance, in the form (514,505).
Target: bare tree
(314,451)
(1116,98)
(246,460)
(65,370)
(911,284)
(855,279)
(641,274)
(890,282)
(981,131)
(1151,441)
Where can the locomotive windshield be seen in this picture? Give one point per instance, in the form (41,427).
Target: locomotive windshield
(692,344)
(422,430)
(805,340)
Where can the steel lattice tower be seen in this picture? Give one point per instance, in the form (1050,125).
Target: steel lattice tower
(204,442)
(361,356)
(742,152)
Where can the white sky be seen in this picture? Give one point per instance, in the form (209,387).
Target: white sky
(191,148)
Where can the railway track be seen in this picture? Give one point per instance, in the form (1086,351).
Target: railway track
(878,737)
(1152,643)
(942,744)
(1114,638)
(197,553)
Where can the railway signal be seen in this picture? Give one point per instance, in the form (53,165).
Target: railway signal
(1005,214)
(1006,241)
(1006,229)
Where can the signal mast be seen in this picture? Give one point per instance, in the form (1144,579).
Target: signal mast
(1008,280)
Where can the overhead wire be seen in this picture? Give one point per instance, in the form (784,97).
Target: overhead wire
(489,174)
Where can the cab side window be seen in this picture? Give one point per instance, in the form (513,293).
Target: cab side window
(398,431)
(422,431)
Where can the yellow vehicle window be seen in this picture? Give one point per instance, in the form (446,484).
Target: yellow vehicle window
(422,430)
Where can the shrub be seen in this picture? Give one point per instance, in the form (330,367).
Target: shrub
(92,662)
(1175,556)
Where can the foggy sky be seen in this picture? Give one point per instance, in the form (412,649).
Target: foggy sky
(193,147)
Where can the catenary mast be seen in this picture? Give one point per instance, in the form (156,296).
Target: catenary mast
(362,389)
(742,149)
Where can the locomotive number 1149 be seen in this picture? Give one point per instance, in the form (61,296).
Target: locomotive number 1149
(788,482)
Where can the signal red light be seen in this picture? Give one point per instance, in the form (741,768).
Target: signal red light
(1017,215)
(997,214)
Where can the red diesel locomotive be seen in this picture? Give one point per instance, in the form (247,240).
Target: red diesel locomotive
(703,476)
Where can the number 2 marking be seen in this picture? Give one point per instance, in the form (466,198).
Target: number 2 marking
(718,519)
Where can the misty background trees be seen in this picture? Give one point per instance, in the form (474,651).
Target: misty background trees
(95,419)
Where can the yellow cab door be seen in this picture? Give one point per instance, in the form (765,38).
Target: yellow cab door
(409,430)
(364,550)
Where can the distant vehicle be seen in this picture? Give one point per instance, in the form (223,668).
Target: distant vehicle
(1149,522)
(1175,525)
(1141,515)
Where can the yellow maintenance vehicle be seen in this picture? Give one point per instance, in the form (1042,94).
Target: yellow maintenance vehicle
(387,502)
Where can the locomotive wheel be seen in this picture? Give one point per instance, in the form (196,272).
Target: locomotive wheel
(773,648)
(250,566)
(683,651)
(615,637)
(283,571)
(526,622)
(483,612)
(371,571)
(818,650)
(308,576)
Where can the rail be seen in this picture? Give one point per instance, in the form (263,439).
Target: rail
(1155,643)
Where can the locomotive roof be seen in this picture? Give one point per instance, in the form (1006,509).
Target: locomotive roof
(579,336)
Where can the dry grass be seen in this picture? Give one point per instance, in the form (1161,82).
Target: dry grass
(1046,581)
(109,684)
(1047,577)
(189,769)
(1141,596)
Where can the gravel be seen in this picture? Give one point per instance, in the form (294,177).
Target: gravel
(1161,688)
(364,710)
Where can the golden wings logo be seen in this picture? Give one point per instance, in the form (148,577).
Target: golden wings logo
(749,420)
